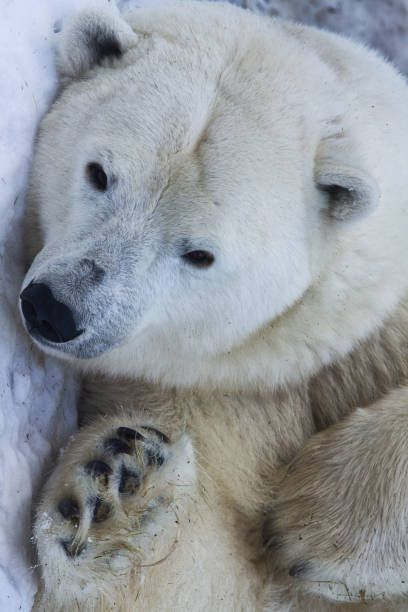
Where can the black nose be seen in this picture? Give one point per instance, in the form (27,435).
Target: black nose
(52,319)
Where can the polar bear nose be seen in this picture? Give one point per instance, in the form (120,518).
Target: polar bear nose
(42,312)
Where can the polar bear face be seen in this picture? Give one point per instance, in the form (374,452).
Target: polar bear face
(179,209)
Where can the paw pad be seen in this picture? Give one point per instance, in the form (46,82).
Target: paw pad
(99,471)
(154,456)
(122,461)
(115,446)
(128,434)
(69,509)
(102,510)
(129,481)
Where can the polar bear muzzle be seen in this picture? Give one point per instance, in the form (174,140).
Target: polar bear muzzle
(47,317)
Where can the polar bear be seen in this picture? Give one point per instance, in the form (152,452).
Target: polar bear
(218,212)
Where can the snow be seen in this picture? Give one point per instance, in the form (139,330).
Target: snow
(37,393)
(382,24)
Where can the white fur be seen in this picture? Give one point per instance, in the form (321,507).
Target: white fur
(279,148)
(292,257)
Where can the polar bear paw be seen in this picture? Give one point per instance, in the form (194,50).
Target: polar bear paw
(326,533)
(114,504)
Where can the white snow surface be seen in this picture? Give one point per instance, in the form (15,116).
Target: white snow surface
(38,393)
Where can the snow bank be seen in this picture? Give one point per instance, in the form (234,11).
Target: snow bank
(37,395)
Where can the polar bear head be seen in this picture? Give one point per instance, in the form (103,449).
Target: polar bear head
(189,187)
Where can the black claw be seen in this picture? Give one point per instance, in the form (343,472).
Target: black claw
(274,541)
(153,457)
(102,510)
(69,509)
(299,569)
(158,433)
(98,468)
(129,434)
(116,446)
(129,481)
(71,549)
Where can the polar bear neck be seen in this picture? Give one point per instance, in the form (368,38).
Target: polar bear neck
(330,322)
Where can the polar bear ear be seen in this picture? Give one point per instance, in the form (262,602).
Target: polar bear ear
(91,37)
(352,193)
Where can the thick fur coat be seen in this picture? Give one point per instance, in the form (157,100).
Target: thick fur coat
(220,202)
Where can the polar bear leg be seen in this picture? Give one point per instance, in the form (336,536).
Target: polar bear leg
(111,509)
(340,524)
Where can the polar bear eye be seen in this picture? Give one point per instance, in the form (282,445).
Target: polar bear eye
(97,176)
(200,259)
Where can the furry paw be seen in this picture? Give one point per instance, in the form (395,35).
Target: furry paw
(113,504)
(307,550)
(328,533)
